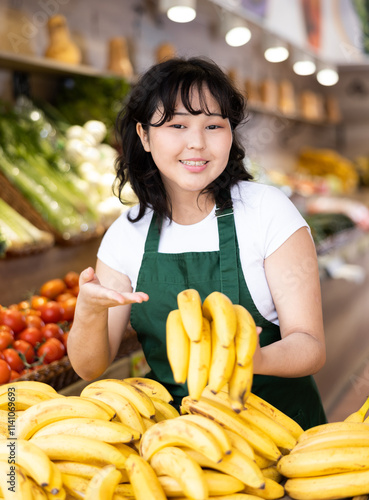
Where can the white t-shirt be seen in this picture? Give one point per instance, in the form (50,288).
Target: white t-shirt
(264,217)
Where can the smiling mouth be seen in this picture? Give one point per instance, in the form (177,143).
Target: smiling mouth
(193,163)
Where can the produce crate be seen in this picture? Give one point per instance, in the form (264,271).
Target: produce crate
(14,198)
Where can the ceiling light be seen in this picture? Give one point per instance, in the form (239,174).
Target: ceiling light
(327,76)
(303,64)
(235,29)
(179,11)
(275,50)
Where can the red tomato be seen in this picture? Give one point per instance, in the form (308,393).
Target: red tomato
(52,288)
(37,302)
(14,319)
(6,328)
(32,335)
(5,372)
(25,348)
(35,321)
(14,375)
(24,305)
(75,290)
(51,350)
(65,340)
(6,340)
(69,307)
(64,296)
(2,355)
(52,330)
(13,359)
(52,312)
(71,279)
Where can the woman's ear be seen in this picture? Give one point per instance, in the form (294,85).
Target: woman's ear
(143,135)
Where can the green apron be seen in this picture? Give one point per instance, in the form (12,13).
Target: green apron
(164,275)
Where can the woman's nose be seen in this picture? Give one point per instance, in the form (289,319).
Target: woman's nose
(196,140)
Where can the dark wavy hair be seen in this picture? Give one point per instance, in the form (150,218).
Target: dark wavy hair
(160,87)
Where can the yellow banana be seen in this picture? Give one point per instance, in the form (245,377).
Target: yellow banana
(18,487)
(55,488)
(278,416)
(226,417)
(323,462)
(239,386)
(51,410)
(24,398)
(271,491)
(80,449)
(271,472)
(179,432)
(77,468)
(218,483)
(32,385)
(135,395)
(263,462)
(246,338)
(216,429)
(103,405)
(150,422)
(145,483)
(236,464)
(178,346)
(218,308)
(151,387)
(103,430)
(33,461)
(331,427)
(222,362)
(175,462)
(199,362)
(102,485)
(240,443)
(126,449)
(359,415)
(124,489)
(189,305)
(346,484)
(38,493)
(125,411)
(75,486)
(334,439)
(166,409)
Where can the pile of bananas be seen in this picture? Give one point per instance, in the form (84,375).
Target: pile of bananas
(212,344)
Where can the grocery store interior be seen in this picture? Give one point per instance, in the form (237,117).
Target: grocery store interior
(65,67)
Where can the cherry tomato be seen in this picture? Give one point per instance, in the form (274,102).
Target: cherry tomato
(25,348)
(53,288)
(64,296)
(31,334)
(75,290)
(71,279)
(65,340)
(52,330)
(5,372)
(69,307)
(6,340)
(13,359)
(2,355)
(51,350)
(37,302)
(35,321)
(6,328)
(14,319)
(24,305)
(14,375)
(52,312)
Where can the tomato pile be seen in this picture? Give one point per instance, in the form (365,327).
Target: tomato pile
(34,332)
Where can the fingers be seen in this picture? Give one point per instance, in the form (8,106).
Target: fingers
(87,276)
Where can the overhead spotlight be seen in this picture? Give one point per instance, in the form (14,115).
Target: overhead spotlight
(327,75)
(303,64)
(235,30)
(179,11)
(275,50)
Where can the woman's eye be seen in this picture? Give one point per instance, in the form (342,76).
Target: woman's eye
(177,125)
(213,127)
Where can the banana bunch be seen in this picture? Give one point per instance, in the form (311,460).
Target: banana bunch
(330,461)
(212,344)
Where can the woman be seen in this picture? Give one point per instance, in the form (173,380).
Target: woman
(201,223)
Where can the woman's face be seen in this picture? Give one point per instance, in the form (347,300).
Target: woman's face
(190,151)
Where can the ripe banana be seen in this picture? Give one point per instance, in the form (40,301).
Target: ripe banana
(32,385)
(334,439)
(75,486)
(103,405)
(346,484)
(77,468)
(51,410)
(166,409)
(278,416)
(33,461)
(18,488)
(103,430)
(246,338)
(178,346)
(176,463)
(80,449)
(145,483)
(179,432)
(240,443)
(330,427)
(24,398)
(199,362)
(135,395)
(55,488)
(222,414)
(216,429)
(323,462)
(239,386)
(103,483)
(236,464)
(151,387)
(271,491)
(359,415)
(125,411)
(218,308)
(218,483)
(189,305)
(271,472)
(222,362)
(38,493)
